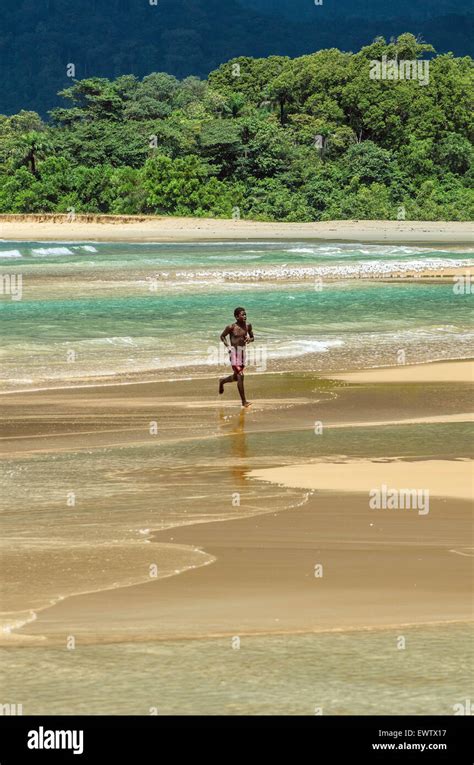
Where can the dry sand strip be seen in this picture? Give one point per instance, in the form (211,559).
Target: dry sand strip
(442,418)
(169,229)
(442,478)
(443,371)
(380,568)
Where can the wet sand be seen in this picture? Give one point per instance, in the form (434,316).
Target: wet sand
(73,418)
(376,571)
(379,568)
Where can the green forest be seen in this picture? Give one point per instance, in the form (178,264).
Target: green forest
(304,139)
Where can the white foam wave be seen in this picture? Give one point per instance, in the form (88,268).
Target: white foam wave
(354,250)
(236,256)
(118,340)
(44,251)
(10,254)
(6,626)
(310,250)
(302,347)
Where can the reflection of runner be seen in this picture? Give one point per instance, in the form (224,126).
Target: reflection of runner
(234,427)
(240,334)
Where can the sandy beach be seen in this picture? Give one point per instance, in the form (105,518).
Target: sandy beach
(453,371)
(153,522)
(168,229)
(257,574)
(377,572)
(454,479)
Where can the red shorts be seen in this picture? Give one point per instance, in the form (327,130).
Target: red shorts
(237,359)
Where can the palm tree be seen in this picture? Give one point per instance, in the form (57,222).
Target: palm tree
(281,93)
(30,147)
(234,103)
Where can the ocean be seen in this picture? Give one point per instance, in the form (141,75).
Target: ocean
(94,312)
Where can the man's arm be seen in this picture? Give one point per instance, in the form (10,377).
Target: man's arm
(250,338)
(225,334)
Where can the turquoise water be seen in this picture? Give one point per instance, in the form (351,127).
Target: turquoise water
(345,673)
(218,254)
(93,311)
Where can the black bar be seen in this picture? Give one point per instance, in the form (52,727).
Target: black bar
(155,738)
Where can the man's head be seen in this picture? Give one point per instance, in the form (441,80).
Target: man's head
(240,314)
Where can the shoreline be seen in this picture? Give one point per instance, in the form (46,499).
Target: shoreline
(264,561)
(33,641)
(449,370)
(102,228)
(263,574)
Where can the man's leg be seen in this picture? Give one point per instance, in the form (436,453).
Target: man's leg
(225,380)
(240,386)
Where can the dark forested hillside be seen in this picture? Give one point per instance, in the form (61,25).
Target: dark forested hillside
(107,38)
(312,138)
(365,9)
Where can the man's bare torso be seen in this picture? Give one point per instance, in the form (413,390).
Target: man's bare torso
(238,334)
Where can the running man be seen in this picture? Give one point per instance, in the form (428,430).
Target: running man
(240,334)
